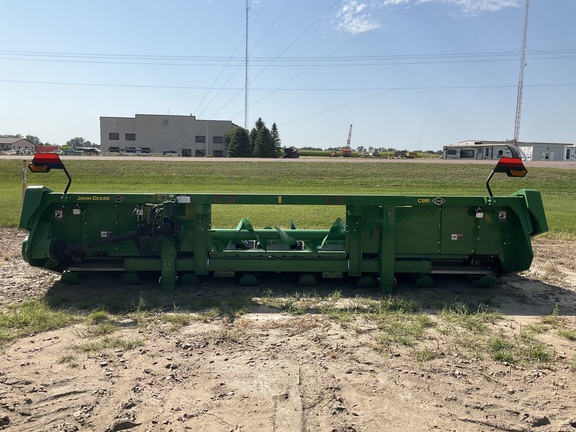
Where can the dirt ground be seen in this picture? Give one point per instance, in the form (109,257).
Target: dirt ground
(269,370)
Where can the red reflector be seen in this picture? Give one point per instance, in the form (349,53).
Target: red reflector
(513,167)
(44,162)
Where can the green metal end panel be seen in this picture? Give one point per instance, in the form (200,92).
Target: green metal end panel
(535,207)
(32,202)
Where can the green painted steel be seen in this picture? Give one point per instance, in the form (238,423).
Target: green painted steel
(381,236)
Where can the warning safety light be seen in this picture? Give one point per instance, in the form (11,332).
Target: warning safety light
(44,162)
(512,166)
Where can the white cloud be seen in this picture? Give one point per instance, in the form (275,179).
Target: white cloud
(354,18)
(357,16)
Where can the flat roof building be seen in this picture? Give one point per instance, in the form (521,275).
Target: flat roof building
(164,134)
(471,149)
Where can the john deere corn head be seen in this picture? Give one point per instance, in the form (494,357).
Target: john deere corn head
(380,238)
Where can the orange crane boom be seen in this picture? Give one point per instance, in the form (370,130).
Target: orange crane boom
(347,151)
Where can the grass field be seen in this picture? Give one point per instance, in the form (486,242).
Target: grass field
(102,175)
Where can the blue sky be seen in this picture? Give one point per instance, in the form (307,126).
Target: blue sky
(414,74)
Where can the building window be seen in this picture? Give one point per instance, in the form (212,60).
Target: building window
(130,137)
(451,152)
(467,154)
(218,153)
(200,138)
(200,153)
(114,149)
(218,139)
(114,136)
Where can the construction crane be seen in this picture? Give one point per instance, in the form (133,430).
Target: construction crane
(347,150)
(521,77)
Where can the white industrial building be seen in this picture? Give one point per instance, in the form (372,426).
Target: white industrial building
(164,134)
(534,151)
(548,151)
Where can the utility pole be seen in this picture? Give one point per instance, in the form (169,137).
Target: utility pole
(521,78)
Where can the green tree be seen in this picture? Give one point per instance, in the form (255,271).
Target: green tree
(11,136)
(276,139)
(78,142)
(262,141)
(238,143)
(34,140)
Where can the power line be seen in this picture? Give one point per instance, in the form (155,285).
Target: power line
(291,89)
(232,61)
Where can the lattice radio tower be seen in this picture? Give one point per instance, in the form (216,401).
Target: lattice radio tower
(521,77)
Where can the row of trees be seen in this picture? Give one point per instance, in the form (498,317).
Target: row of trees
(260,142)
(74,142)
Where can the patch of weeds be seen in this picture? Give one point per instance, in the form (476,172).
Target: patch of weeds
(425,354)
(143,304)
(572,365)
(301,303)
(397,304)
(108,342)
(208,314)
(525,348)
(328,304)
(232,332)
(403,329)
(298,325)
(269,300)
(31,316)
(237,304)
(567,334)
(343,316)
(177,320)
(98,316)
(101,324)
(537,328)
(104,328)
(69,360)
(502,350)
(554,319)
(475,321)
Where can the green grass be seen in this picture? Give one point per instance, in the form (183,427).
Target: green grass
(104,175)
(109,342)
(31,316)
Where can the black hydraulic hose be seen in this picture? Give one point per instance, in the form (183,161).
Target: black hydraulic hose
(61,250)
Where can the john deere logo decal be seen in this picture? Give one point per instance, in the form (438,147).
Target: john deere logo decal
(438,201)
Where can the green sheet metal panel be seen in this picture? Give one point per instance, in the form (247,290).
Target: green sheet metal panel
(418,229)
(457,231)
(490,229)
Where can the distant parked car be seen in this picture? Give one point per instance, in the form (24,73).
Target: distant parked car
(170,153)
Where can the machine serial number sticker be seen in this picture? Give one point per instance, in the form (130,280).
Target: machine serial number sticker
(58,214)
(457,237)
(502,216)
(105,234)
